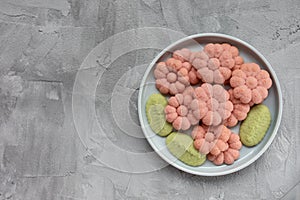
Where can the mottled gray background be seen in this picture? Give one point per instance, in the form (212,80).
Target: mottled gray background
(44,42)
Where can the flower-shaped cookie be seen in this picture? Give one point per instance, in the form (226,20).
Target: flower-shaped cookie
(221,145)
(227,54)
(217,101)
(226,151)
(206,137)
(169,80)
(214,64)
(184,110)
(250,83)
(239,112)
(207,68)
(184,56)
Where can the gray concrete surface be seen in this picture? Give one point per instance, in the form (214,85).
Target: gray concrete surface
(44,42)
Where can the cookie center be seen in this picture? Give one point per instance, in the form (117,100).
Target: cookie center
(182,110)
(171,77)
(213,63)
(251,82)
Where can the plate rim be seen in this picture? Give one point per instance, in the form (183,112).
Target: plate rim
(274,77)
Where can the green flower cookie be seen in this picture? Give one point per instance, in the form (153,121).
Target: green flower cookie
(155,106)
(255,126)
(181,146)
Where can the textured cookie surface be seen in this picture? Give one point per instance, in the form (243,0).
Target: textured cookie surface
(255,126)
(181,146)
(155,106)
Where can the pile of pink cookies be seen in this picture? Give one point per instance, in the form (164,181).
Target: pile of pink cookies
(212,89)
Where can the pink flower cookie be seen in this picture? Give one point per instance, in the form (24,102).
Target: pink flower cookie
(208,69)
(215,62)
(184,56)
(184,110)
(221,145)
(169,80)
(227,54)
(217,101)
(239,112)
(206,137)
(226,151)
(250,83)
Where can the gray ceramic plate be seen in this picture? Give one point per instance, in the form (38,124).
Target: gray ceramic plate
(247,155)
